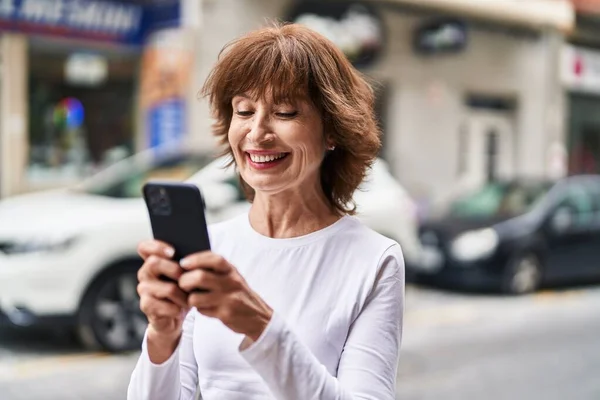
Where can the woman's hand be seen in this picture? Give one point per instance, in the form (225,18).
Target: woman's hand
(218,290)
(161,299)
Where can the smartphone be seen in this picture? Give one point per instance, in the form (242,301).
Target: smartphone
(177,216)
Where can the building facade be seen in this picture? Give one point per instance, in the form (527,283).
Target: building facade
(465,93)
(581,85)
(80,87)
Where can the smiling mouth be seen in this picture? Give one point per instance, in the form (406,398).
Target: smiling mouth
(266,158)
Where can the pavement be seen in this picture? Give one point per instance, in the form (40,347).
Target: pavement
(543,346)
(455,346)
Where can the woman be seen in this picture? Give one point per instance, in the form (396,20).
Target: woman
(303,301)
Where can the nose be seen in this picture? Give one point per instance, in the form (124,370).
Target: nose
(260,128)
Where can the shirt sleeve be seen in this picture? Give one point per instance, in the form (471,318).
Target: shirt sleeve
(175,379)
(369,360)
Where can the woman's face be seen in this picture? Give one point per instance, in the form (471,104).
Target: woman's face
(277,147)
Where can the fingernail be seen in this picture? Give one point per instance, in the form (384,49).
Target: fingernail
(184,263)
(169,252)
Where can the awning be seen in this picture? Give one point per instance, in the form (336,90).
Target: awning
(533,14)
(115,22)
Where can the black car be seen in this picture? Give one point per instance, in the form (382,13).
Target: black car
(515,236)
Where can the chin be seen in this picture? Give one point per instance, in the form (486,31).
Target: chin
(266,185)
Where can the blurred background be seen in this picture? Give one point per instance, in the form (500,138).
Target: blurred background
(488,178)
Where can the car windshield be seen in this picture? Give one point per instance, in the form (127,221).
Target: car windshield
(499,199)
(126,178)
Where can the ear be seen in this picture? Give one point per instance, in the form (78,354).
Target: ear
(329,143)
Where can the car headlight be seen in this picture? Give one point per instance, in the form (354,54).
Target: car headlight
(475,245)
(38,246)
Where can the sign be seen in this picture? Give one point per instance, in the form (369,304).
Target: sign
(355,27)
(167,66)
(162,14)
(580,69)
(69,114)
(86,69)
(97,20)
(440,36)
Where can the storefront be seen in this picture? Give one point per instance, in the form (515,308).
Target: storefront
(580,73)
(461,100)
(470,101)
(581,77)
(72,98)
(81,109)
(466,100)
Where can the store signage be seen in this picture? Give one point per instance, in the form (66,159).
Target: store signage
(97,20)
(166,75)
(86,69)
(355,27)
(580,69)
(440,36)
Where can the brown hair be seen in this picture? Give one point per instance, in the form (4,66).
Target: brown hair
(287,61)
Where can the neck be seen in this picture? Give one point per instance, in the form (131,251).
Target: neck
(292,213)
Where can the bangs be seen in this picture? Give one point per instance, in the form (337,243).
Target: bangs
(272,69)
(288,64)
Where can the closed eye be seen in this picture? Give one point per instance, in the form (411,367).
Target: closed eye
(287,115)
(244,113)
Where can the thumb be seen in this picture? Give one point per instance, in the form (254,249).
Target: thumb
(184,312)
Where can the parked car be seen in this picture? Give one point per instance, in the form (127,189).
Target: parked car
(68,257)
(516,236)
(382,203)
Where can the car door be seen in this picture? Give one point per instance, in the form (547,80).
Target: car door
(384,206)
(573,233)
(594,266)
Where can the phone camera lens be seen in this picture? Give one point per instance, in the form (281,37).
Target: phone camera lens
(159,201)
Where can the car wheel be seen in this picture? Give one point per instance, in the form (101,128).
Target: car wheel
(523,275)
(110,318)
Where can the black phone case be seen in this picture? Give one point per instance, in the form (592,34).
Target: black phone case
(177,216)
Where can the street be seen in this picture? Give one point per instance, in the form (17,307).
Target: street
(543,346)
(455,346)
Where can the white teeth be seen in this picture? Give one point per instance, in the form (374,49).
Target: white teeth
(268,158)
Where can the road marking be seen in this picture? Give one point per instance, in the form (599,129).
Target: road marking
(446,315)
(471,309)
(45,365)
(558,295)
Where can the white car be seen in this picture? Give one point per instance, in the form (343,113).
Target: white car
(68,257)
(382,203)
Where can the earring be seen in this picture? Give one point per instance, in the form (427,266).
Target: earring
(331,148)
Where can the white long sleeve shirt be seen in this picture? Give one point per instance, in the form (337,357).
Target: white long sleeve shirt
(338,298)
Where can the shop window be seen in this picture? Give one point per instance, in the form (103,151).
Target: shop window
(580,200)
(584,134)
(81,110)
(491,148)
(585,154)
